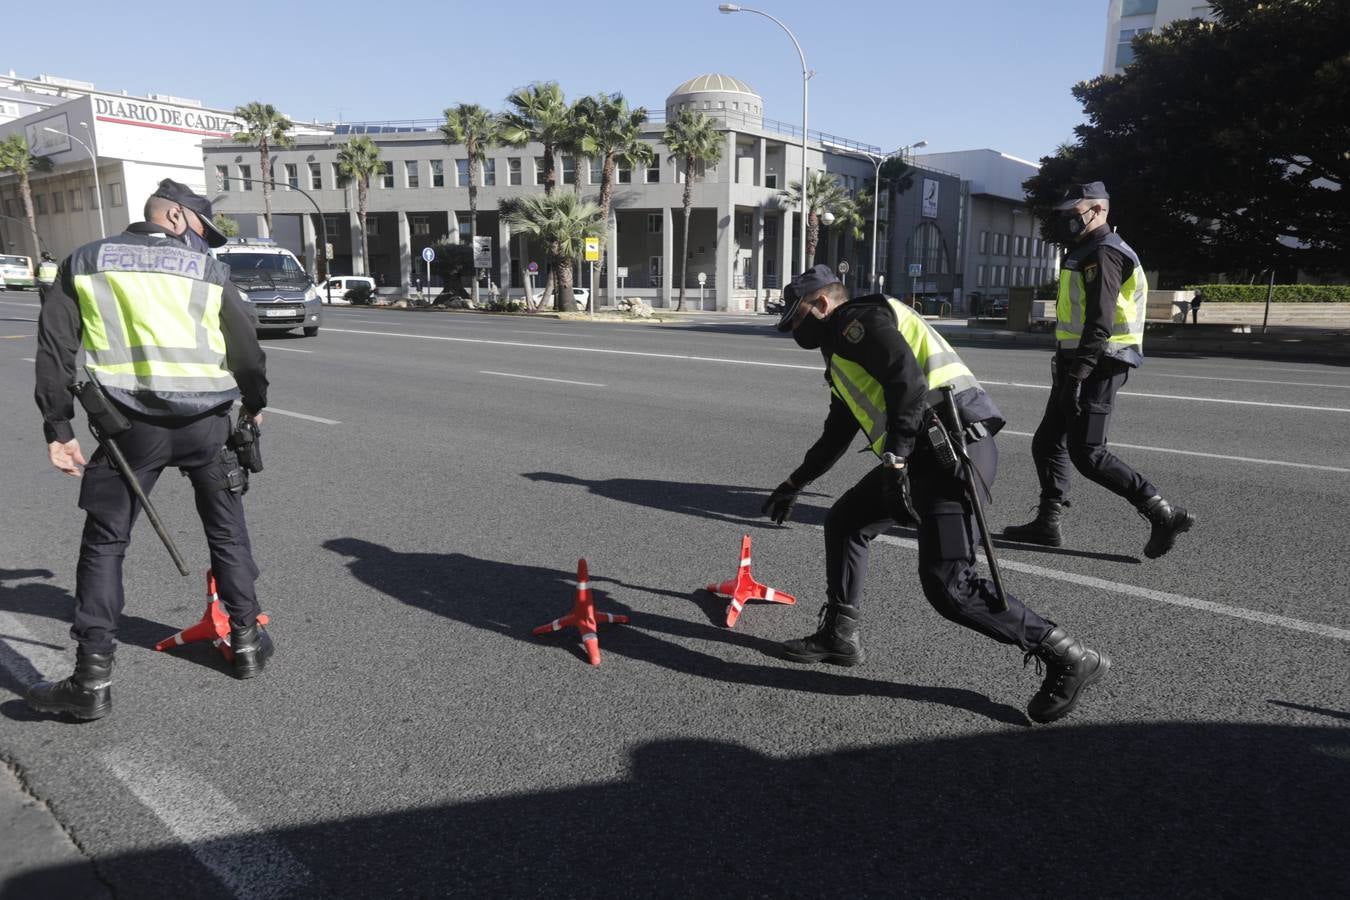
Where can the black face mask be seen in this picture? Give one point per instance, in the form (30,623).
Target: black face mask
(1072,225)
(810,334)
(192,238)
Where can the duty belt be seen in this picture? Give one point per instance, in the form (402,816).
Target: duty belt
(975,431)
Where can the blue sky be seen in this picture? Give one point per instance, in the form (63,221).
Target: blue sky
(961,74)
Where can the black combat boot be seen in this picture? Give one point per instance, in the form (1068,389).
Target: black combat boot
(1069,667)
(838,639)
(252,647)
(1044,529)
(86,694)
(1168,521)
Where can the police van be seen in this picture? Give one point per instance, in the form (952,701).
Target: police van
(278,288)
(16,273)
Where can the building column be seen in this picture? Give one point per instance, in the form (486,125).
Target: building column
(786,268)
(761,160)
(259,229)
(726,256)
(668,266)
(524,265)
(612,258)
(404,253)
(503,257)
(358,261)
(308,245)
(452,225)
(757,230)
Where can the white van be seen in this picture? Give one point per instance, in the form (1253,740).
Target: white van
(16,273)
(332,290)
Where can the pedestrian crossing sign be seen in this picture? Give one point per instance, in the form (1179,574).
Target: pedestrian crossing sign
(592,249)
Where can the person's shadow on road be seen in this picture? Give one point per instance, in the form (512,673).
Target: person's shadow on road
(511,599)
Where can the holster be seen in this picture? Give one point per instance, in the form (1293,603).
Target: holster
(105,419)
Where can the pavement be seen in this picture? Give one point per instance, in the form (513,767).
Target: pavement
(431,482)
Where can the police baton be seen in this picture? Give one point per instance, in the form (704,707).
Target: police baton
(106,422)
(973,488)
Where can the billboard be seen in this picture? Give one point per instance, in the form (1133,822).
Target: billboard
(930,199)
(42,142)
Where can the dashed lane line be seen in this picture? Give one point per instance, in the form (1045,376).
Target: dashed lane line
(1312,384)
(272,410)
(1222,456)
(270,347)
(1131,590)
(539,378)
(1187,397)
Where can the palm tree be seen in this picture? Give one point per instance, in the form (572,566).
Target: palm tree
(264,127)
(824,193)
(538,112)
(15,157)
(477,129)
(693,139)
(359,161)
(613,134)
(561,223)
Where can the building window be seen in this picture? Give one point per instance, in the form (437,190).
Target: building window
(293,175)
(337,176)
(421,225)
(654,223)
(1002,245)
(40,201)
(333,225)
(387,176)
(1125,47)
(462,172)
(437,173)
(489,173)
(1138,7)
(76,201)
(465,231)
(94,201)
(246,177)
(623,175)
(372,226)
(539,169)
(222,178)
(771,181)
(315,177)
(410,172)
(1021,245)
(654,171)
(58,202)
(984,242)
(1036,248)
(597,171)
(770,228)
(979,276)
(513,170)
(116,197)
(569,170)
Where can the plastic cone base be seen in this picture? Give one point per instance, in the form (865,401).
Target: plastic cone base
(744,588)
(214,625)
(584,617)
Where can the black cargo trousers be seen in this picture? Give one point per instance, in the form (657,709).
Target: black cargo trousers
(947,540)
(1062,444)
(197,447)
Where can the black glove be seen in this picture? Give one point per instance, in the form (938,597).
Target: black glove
(896,495)
(1066,395)
(780,502)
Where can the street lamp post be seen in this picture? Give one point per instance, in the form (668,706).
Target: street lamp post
(323,225)
(98,192)
(806,78)
(876,196)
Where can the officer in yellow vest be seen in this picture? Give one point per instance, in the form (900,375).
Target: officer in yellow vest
(46,273)
(1103,295)
(174,345)
(885,365)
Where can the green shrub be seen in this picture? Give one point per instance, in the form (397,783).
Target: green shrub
(1284,293)
(504,306)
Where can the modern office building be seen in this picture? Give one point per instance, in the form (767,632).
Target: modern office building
(743,238)
(1127,18)
(1002,242)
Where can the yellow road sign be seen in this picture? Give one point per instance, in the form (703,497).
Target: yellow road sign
(592,249)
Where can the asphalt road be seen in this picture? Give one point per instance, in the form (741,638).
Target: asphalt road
(432,480)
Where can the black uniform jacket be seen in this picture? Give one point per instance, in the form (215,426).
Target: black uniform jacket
(60,331)
(1109,269)
(864,331)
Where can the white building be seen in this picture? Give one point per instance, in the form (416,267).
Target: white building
(1127,18)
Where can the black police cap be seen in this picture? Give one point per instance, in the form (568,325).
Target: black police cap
(803,285)
(1077,193)
(184,196)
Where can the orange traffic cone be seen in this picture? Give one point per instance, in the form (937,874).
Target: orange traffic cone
(584,616)
(214,625)
(744,588)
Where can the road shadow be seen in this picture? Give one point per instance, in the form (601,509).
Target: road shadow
(1332,713)
(1141,810)
(511,599)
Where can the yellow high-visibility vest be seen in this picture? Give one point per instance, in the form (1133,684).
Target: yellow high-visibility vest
(865,396)
(1127,329)
(47,272)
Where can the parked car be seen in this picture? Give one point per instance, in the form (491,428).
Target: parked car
(16,273)
(581,295)
(332,290)
(277,287)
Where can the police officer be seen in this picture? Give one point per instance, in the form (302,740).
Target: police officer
(46,273)
(1103,295)
(173,345)
(885,366)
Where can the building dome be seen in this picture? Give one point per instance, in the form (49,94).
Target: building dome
(718,96)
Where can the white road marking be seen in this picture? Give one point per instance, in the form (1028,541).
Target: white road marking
(20,320)
(537,378)
(270,347)
(250,862)
(1131,590)
(296,415)
(27,658)
(27,359)
(13,303)
(1223,456)
(1248,380)
(1046,387)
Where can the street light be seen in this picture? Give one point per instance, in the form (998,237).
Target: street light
(876,196)
(98,193)
(806,78)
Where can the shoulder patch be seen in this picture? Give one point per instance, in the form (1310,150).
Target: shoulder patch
(1090,272)
(855,332)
